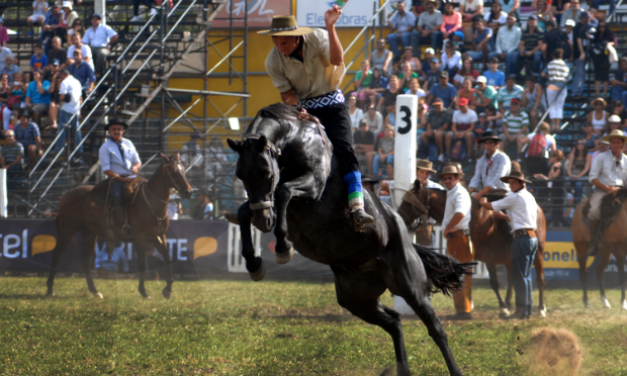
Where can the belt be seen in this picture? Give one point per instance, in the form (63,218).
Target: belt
(324,100)
(525,231)
(458,234)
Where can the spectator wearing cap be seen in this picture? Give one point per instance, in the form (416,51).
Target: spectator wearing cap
(83,73)
(507,42)
(480,45)
(426,62)
(443,90)
(364,141)
(77,45)
(10,68)
(508,92)
(451,21)
(428,27)
(100,38)
(439,119)
(613,122)
(401,25)
(433,77)
(619,83)
(451,59)
(27,134)
(556,90)
(458,41)
(485,95)
(57,55)
(39,60)
(569,30)
(515,125)
(52,26)
(4,52)
(38,96)
(40,8)
(462,127)
(381,58)
(12,155)
(70,97)
(571,14)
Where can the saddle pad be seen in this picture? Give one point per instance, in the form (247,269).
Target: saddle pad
(98,194)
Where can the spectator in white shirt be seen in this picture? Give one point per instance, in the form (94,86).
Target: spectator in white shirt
(70,97)
(507,44)
(100,38)
(77,44)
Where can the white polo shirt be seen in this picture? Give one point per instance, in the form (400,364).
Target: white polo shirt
(522,209)
(72,88)
(457,201)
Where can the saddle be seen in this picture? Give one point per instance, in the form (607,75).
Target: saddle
(99,195)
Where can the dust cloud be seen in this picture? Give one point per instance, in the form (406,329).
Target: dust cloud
(554,352)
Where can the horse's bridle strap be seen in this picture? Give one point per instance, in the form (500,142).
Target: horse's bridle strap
(411,199)
(261,205)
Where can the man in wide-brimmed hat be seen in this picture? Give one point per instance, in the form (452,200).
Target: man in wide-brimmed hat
(522,211)
(424,228)
(307,67)
(119,161)
(608,174)
(490,168)
(455,224)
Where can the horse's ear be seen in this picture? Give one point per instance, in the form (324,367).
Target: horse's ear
(165,158)
(235,145)
(262,143)
(417,184)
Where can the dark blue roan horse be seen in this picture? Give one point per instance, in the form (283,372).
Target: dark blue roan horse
(286,157)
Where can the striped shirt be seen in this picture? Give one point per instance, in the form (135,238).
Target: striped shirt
(516,123)
(558,73)
(489,171)
(506,96)
(10,153)
(532,40)
(27,136)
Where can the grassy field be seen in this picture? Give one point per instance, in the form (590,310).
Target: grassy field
(270,329)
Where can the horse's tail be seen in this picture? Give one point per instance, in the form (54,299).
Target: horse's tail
(445,273)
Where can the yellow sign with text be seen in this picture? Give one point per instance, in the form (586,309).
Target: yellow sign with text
(562,255)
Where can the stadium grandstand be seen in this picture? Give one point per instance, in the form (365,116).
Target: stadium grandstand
(187,74)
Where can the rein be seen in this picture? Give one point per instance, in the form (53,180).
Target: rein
(273,153)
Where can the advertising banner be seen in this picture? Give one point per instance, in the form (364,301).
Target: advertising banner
(260,13)
(356,13)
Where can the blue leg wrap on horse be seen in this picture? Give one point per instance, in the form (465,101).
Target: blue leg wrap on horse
(355,194)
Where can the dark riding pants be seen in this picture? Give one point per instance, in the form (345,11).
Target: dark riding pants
(116,193)
(523,251)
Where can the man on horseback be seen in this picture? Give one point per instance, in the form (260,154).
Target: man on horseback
(522,211)
(120,162)
(455,224)
(307,66)
(608,174)
(490,168)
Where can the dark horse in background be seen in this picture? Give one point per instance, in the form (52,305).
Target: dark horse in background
(491,237)
(286,158)
(147,216)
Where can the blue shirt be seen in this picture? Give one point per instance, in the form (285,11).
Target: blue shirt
(36,63)
(35,96)
(111,158)
(486,33)
(100,37)
(84,74)
(51,19)
(26,136)
(495,79)
(401,24)
(447,94)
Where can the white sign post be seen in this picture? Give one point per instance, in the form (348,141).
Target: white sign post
(405,147)
(3,194)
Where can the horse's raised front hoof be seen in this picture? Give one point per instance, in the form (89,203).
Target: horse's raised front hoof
(605,303)
(259,274)
(504,312)
(97,295)
(284,257)
(624,305)
(166,293)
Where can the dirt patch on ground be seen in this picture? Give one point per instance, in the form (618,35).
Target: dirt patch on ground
(554,352)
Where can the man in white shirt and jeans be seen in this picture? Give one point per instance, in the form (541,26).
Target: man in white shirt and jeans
(455,224)
(522,213)
(607,174)
(70,97)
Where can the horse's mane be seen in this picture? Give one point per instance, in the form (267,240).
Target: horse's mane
(610,206)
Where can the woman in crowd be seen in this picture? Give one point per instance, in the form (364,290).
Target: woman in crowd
(544,14)
(408,57)
(363,79)
(579,162)
(55,104)
(466,91)
(602,39)
(451,21)
(374,120)
(598,116)
(557,193)
(414,88)
(406,75)
(557,72)
(533,101)
(451,60)
(591,137)
(468,69)
(355,112)
(77,27)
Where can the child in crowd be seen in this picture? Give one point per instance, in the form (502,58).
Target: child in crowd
(495,77)
(39,60)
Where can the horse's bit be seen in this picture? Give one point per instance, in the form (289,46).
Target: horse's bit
(273,153)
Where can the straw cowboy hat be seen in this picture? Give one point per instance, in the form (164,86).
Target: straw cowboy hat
(616,133)
(285,26)
(600,100)
(515,175)
(450,170)
(424,164)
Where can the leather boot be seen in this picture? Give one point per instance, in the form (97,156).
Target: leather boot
(594,229)
(361,217)
(119,213)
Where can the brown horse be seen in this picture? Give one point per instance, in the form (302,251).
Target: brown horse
(147,216)
(613,241)
(491,237)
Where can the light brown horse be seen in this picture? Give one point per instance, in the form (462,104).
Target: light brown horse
(491,238)
(613,241)
(147,216)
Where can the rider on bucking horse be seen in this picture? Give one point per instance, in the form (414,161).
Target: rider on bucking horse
(120,162)
(307,67)
(608,174)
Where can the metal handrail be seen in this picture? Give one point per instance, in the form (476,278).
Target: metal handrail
(607,18)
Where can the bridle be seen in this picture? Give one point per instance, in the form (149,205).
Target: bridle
(177,188)
(417,207)
(273,152)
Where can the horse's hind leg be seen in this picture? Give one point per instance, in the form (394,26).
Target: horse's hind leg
(89,246)
(620,265)
(65,232)
(583,270)
(603,263)
(359,295)
(163,251)
(141,267)
(494,283)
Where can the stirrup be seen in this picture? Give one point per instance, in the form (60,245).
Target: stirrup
(126,231)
